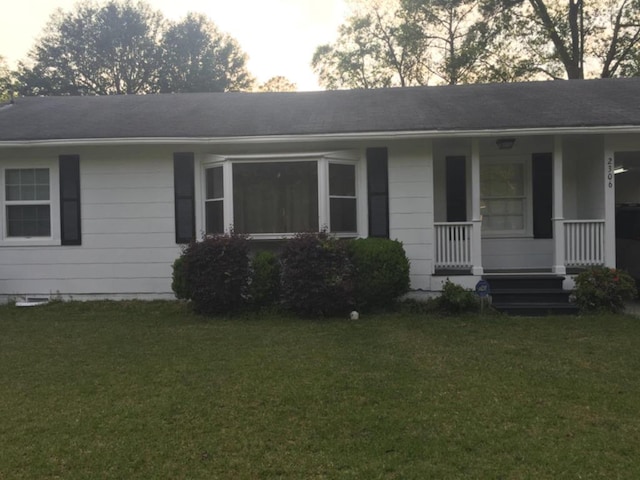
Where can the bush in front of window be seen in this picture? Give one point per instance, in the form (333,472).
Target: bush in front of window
(602,289)
(264,290)
(317,275)
(381,272)
(179,280)
(216,273)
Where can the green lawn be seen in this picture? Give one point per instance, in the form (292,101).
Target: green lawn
(151,391)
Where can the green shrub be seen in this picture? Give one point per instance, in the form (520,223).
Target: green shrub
(178,280)
(456,299)
(317,275)
(381,271)
(602,289)
(265,279)
(216,271)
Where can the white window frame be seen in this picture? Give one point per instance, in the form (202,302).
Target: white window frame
(54,203)
(322,160)
(527,208)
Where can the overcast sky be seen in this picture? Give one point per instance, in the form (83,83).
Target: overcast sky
(279,36)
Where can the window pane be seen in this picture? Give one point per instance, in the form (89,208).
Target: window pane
(42,176)
(279,197)
(214,217)
(12,192)
(12,177)
(502,180)
(215,185)
(27,184)
(42,192)
(28,221)
(343,215)
(27,176)
(342,180)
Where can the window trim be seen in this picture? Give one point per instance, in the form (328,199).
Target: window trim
(54,203)
(527,211)
(322,159)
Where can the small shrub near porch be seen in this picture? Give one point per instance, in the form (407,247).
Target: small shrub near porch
(602,289)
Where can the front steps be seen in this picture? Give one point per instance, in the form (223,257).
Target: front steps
(530,295)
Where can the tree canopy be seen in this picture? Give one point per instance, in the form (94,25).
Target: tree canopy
(5,81)
(122,47)
(278,84)
(419,42)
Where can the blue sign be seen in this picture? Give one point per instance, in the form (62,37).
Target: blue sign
(482,288)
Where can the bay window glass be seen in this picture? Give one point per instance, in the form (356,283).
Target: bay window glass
(342,197)
(503,197)
(275,197)
(214,202)
(28,202)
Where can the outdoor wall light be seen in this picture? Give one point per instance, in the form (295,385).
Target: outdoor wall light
(505,143)
(618,170)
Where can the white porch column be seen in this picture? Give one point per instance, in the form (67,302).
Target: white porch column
(609,206)
(476,217)
(558,208)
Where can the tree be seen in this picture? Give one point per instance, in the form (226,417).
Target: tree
(6,82)
(96,50)
(576,39)
(122,47)
(199,58)
(375,48)
(410,42)
(278,84)
(459,37)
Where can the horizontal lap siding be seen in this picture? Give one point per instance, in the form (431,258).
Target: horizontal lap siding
(411,207)
(128,238)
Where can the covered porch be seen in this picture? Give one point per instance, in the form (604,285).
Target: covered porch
(543,204)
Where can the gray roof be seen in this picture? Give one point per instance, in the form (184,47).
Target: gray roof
(572,104)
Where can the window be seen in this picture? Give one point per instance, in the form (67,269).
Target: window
(27,202)
(503,198)
(279,196)
(342,197)
(214,202)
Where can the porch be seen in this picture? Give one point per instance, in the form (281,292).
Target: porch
(543,204)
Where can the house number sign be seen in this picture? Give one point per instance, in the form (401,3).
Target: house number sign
(610,172)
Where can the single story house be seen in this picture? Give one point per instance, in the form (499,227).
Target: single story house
(99,193)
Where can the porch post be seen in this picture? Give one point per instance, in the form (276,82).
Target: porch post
(476,218)
(609,206)
(558,208)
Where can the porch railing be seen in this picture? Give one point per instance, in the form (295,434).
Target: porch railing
(453,245)
(584,243)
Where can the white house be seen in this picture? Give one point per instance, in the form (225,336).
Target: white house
(98,193)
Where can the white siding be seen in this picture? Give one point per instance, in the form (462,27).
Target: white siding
(128,238)
(411,207)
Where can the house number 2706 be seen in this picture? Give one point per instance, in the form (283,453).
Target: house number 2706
(610,173)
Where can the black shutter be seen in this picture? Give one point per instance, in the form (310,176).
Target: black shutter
(184,192)
(542,183)
(378,191)
(456,184)
(70,221)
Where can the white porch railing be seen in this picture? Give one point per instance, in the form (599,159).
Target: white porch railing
(454,245)
(584,243)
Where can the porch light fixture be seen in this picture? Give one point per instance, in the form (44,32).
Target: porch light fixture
(618,170)
(505,143)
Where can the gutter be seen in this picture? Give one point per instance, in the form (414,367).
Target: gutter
(325,137)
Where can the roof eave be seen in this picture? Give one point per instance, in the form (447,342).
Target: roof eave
(325,137)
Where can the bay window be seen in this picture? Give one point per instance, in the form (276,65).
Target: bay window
(276,196)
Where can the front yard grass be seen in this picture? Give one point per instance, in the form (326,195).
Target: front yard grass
(149,390)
